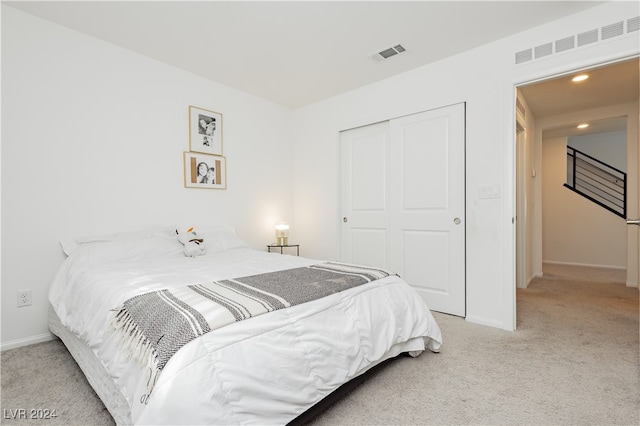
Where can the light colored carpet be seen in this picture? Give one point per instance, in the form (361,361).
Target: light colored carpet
(45,377)
(573,360)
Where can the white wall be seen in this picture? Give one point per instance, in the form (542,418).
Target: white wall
(92,142)
(568,220)
(608,147)
(485,79)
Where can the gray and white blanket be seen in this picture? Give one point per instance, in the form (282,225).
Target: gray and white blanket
(155,325)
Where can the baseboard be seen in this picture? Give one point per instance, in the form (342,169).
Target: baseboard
(584,265)
(27,341)
(533,277)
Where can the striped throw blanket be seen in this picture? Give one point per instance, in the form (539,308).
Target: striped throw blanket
(154,326)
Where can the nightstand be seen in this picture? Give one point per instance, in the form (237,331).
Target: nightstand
(276,246)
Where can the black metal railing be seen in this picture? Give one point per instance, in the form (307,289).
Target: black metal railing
(599,182)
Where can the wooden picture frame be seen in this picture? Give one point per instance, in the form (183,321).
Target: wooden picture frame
(205,131)
(204,171)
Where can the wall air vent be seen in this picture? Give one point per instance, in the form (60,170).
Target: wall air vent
(544,50)
(613,30)
(388,53)
(587,37)
(565,44)
(575,41)
(524,56)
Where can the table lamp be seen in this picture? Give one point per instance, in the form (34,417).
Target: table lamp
(282,234)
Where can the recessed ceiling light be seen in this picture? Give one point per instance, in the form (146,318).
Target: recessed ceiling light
(581,77)
(583,126)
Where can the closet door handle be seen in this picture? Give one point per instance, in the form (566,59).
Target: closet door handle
(633,222)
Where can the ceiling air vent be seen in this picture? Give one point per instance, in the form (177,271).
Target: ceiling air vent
(387,53)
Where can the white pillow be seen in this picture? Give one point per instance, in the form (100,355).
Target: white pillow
(71,244)
(220,238)
(153,248)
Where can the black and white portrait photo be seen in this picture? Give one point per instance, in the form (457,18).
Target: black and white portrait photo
(205,131)
(204,171)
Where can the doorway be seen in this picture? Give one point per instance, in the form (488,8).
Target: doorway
(554,107)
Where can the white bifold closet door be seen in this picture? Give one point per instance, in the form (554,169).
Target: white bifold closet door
(403,192)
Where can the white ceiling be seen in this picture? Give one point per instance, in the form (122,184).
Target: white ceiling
(608,85)
(299,52)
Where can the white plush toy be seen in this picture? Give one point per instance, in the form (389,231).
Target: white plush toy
(193,246)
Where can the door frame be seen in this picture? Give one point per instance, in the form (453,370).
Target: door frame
(521,217)
(518,244)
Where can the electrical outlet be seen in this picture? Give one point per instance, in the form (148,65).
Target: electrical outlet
(24,298)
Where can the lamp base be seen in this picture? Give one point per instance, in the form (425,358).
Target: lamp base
(282,241)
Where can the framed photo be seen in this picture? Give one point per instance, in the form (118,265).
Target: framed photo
(205,131)
(205,171)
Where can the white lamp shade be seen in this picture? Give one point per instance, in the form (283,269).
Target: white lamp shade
(282,233)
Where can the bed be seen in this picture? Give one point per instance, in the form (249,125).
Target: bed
(267,368)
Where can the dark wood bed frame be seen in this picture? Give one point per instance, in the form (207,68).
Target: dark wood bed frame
(340,393)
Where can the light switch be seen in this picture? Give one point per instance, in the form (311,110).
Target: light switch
(489,191)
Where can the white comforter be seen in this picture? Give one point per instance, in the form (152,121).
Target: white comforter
(264,370)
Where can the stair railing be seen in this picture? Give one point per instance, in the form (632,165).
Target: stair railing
(597,181)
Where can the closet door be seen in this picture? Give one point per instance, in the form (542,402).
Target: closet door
(365,195)
(427,211)
(403,202)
